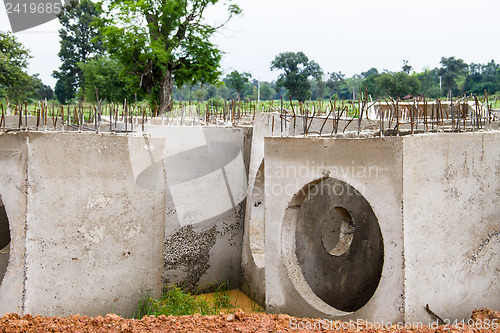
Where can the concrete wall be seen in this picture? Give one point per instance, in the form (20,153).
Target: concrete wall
(452,224)
(253,251)
(97,220)
(13,187)
(85,237)
(12,122)
(435,199)
(206,174)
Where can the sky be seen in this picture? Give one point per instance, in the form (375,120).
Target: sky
(350,36)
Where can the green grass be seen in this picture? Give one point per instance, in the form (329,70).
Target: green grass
(177,302)
(174,302)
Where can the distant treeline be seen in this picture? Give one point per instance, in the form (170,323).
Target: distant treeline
(453,75)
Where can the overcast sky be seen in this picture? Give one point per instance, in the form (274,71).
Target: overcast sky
(350,36)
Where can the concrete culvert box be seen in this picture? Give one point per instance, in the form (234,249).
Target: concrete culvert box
(334,245)
(85,237)
(376,228)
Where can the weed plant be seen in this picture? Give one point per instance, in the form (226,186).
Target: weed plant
(177,302)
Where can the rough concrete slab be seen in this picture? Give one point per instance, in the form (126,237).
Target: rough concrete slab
(13,188)
(272,125)
(85,237)
(98,220)
(253,251)
(452,224)
(206,174)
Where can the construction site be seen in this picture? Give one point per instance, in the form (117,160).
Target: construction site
(390,212)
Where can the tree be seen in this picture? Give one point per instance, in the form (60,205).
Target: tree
(297,70)
(370,72)
(398,84)
(162,42)
(266,92)
(78,43)
(429,80)
(199,95)
(237,81)
(482,77)
(13,64)
(320,89)
(39,90)
(211,91)
(63,93)
(104,74)
(223,91)
(451,71)
(406,67)
(337,84)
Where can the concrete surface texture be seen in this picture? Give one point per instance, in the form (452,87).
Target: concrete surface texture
(206,177)
(362,227)
(253,250)
(85,237)
(29,121)
(452,224)
(13,188)
(396,202)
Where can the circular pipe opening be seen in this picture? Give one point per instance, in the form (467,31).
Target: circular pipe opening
(4,240)
(332,246)
(337,231)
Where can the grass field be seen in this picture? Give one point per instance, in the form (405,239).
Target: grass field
(87,110)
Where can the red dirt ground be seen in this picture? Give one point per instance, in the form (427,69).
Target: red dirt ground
(238,322)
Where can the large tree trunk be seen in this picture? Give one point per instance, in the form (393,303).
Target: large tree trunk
(166,88)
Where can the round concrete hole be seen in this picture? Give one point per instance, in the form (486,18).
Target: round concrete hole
(337,231)
(338,244)
(4,240)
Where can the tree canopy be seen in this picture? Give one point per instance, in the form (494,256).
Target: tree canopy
(104,74)
(163,42)
(398,85)
(452,69)
(297,69)
(78,45)
(13,64)
(237,81)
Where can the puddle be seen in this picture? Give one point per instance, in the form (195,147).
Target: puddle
(238,300)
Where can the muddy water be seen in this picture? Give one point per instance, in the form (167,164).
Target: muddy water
(239,300)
